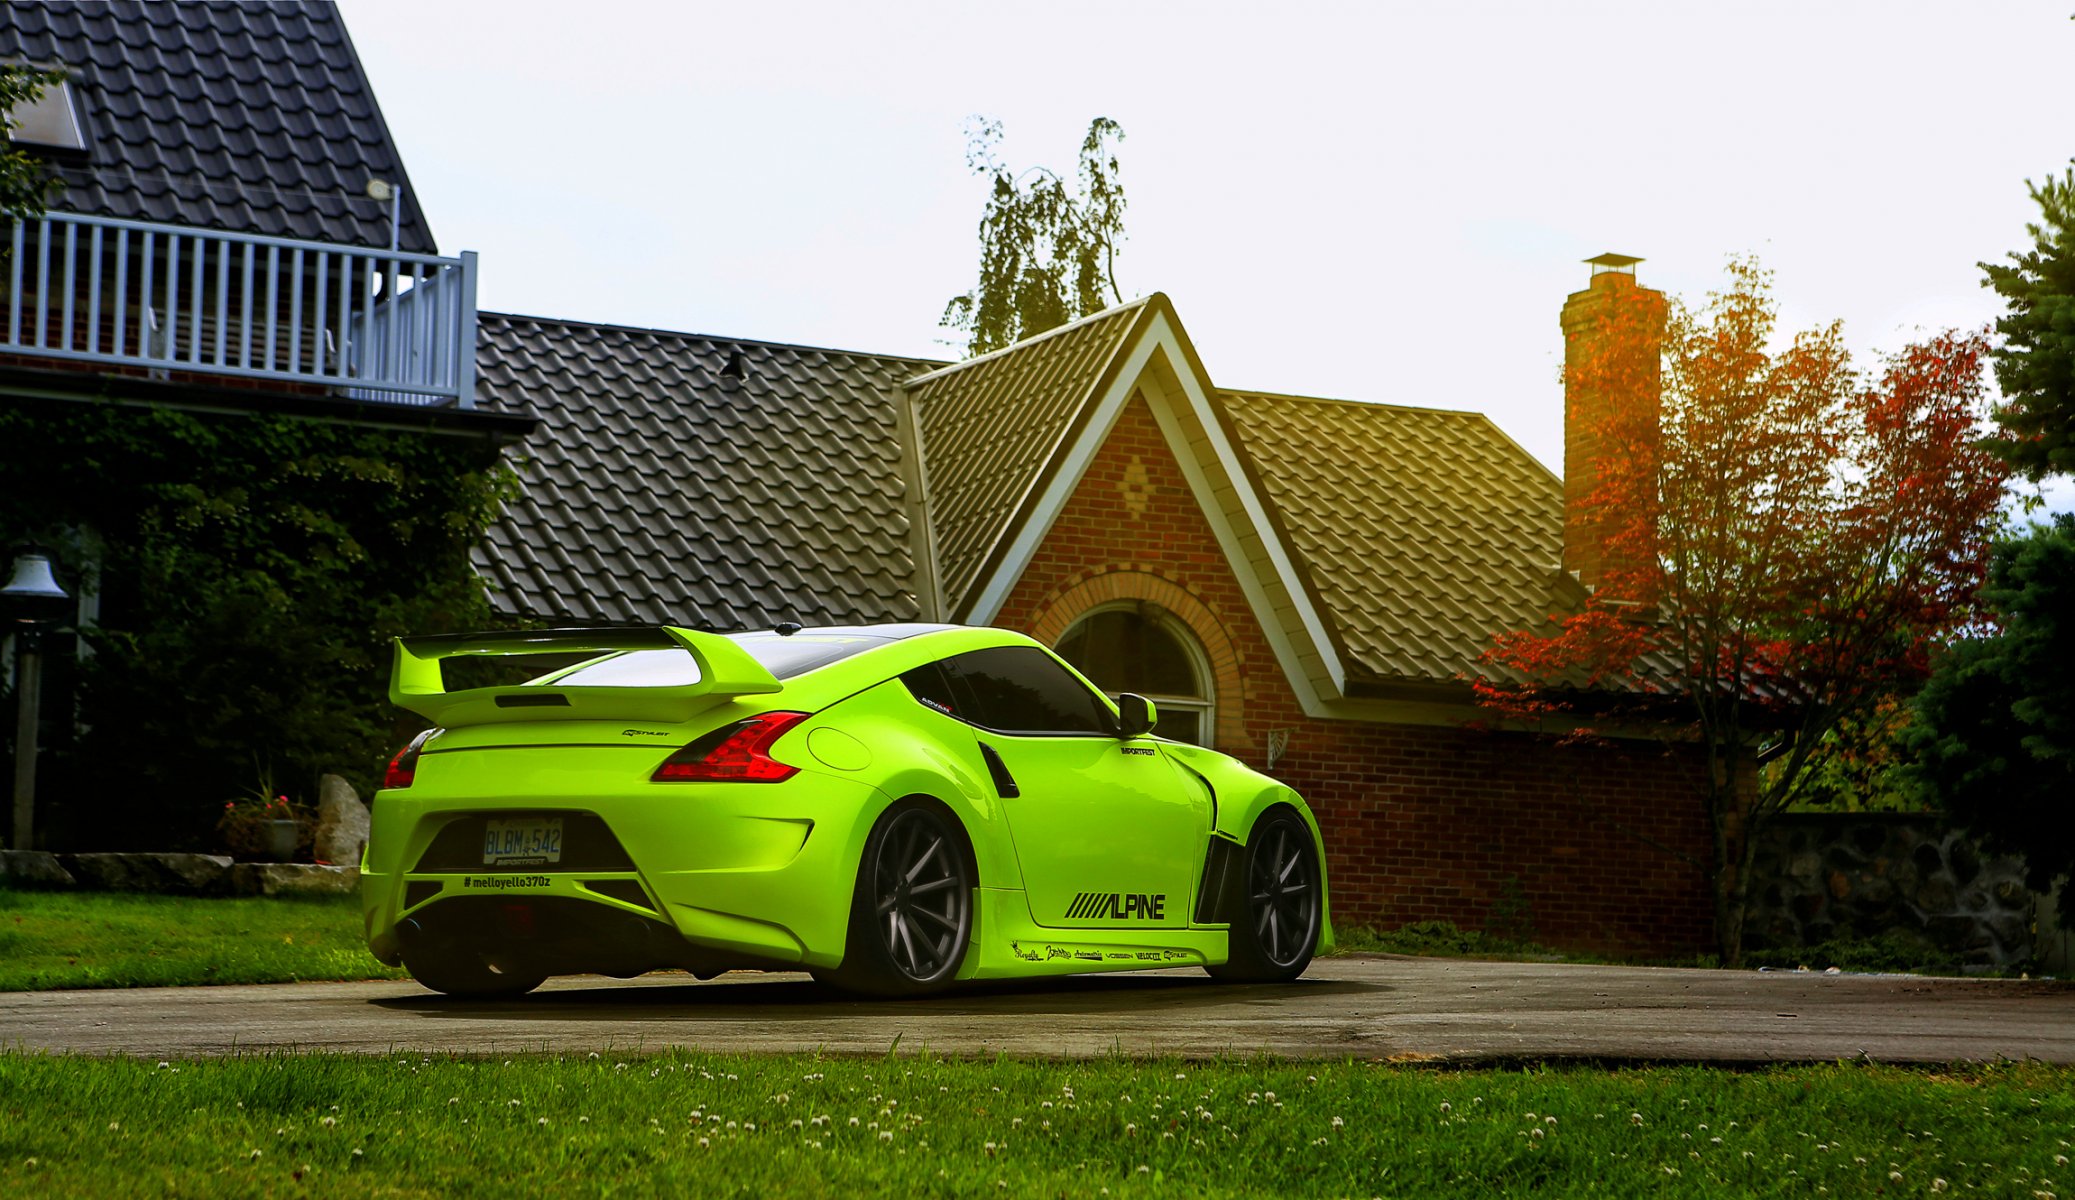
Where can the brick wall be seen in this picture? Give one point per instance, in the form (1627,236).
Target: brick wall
(1573,845)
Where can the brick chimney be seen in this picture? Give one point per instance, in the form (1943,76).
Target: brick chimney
(1613,336)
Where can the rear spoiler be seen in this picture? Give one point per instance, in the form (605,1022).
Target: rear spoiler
(725,670)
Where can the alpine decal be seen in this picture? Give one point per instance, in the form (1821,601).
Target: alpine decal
(1121,906)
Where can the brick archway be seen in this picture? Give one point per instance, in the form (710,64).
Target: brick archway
(1108,587)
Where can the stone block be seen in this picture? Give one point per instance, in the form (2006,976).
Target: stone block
(33,869)
(278,879)
(167,874)
(342,823)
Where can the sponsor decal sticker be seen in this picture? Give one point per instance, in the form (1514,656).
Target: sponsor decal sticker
(504,882)
(1136,749)
(1119,906)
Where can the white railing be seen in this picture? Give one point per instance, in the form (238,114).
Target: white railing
(378,325)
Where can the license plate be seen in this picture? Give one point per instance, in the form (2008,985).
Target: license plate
(522,841)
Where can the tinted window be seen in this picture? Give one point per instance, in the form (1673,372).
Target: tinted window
(930,686)
(1020,689)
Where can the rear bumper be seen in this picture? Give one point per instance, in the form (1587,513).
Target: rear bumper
(744,874)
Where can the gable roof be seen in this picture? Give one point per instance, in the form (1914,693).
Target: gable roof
(667,485)
(1424,531)
(992,430)
(248,117)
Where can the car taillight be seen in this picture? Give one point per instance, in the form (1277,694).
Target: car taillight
(737,753)
(404,767)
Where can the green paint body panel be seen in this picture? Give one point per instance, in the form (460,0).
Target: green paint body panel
(765,873)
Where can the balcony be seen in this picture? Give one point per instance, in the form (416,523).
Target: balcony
(197,305)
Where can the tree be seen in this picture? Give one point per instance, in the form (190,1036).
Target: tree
(1784,543)
(1994,735)
(1993,739)
(2035,366)
(1047,256)
(25,187)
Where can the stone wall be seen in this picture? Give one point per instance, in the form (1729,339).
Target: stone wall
(1823,876)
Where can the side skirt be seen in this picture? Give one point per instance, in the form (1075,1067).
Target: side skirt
(1008,945)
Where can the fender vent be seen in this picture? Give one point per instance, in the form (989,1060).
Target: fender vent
(1221,882)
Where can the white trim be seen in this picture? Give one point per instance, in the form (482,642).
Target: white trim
(1292,663)
(1256,512)
(1160,335)
(987,605)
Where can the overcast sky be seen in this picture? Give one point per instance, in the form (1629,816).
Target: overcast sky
(1369,201)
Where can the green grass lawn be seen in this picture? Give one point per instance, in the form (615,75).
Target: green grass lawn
(797,1125)
(110,939)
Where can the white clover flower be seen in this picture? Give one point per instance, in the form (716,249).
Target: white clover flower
(1939,1185)
(1895,1176)
(255,1155)
(1130,1130)
(541,1121)
(886,1135)
(853,1122)
(988,1148)
(1635,1118)
(328,1123)
(1446,1108)
(358,1153)
(1535,1133)
(1144,1170)
(1338,1123)
(705,1142)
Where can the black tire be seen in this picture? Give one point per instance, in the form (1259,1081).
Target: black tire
(911,915)
(471,976)
(1276,925)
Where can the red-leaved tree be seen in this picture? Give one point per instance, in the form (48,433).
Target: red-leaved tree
(1783,543)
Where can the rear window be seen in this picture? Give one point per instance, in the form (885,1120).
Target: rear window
(784,657)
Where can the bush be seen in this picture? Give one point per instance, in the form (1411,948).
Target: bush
(251,571)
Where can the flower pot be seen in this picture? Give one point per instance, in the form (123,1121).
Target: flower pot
(282,838)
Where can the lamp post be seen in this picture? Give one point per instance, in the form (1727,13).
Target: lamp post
(33,600)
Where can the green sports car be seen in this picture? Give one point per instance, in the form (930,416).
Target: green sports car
(894,808)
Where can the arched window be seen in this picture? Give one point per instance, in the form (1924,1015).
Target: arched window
(1139,647)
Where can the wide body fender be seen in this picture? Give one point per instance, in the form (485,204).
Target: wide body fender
(1244,796)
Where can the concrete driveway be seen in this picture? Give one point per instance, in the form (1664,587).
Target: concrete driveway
(1383,1007)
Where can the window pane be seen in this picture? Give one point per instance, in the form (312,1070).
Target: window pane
(1181,725)
(1019,689)
(1123,652)
(930,686)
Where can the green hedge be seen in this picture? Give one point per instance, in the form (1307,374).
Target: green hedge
(251,571)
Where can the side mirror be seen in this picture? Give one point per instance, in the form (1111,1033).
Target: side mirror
(1135,715)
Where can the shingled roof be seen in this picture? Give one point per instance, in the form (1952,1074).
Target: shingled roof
(1425,531)
(993,426)
(697,480)
(249,117)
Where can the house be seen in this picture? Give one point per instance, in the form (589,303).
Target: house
(233,320)
(1300,582)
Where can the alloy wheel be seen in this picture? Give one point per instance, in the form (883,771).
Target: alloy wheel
(921,896)
(1284,891)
